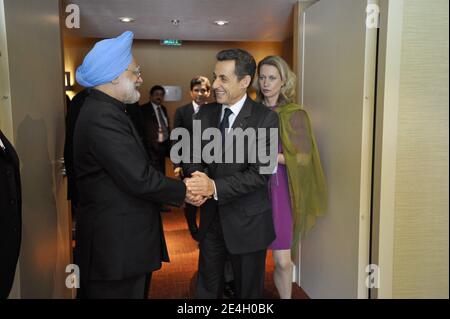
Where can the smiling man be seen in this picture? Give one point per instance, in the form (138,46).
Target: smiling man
(236,220)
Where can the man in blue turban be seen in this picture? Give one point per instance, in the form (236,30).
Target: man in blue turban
(106,61)
(119,235)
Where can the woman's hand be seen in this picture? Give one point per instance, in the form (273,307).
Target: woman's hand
(280,159)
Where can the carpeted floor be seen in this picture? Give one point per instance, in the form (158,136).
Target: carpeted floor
(176,280)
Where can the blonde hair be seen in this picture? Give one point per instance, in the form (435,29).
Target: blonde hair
(287,92)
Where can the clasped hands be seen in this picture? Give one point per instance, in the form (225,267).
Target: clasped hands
(199,188)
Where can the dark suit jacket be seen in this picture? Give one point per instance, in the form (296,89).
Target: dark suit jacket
(10,215)
(243,202)
(73,110)
(150,129)
(119,228)
(183,118)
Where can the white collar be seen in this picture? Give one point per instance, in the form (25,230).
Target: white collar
(155,106)
(1,144)
(196,106)
(236,107)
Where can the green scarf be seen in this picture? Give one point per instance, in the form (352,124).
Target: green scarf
(306,180)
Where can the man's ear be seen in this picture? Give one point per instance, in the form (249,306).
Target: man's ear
(245,81)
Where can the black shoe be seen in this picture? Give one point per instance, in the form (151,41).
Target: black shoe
(229,290)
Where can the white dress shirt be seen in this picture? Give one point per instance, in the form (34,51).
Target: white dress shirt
(155,107)
(196,107)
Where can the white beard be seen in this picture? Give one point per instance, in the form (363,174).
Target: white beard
(132,95)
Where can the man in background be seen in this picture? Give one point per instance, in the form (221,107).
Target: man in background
(156,128)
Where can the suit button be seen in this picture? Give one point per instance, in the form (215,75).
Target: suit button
(12,201)
(8,173)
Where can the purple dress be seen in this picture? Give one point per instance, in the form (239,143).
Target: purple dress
(281,207)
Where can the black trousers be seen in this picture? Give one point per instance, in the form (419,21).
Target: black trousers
(248,269)
(131,288)
(190,212)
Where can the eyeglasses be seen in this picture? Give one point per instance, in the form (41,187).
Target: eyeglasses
(136,72)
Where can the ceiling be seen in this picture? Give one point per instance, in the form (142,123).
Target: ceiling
(250,20)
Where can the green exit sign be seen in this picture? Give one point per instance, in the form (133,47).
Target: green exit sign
(171,42)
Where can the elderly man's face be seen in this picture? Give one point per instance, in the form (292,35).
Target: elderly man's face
(228,89)
(130,81)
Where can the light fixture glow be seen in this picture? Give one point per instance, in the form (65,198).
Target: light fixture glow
(126,19)
(221,22)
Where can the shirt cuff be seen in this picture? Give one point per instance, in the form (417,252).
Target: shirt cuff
(215,191)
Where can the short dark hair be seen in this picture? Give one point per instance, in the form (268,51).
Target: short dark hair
(157,88)
(200,80)
(244,62)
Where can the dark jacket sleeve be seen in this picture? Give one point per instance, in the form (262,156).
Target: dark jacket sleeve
(177,122)
(194,164)
(123,157)
(251,179)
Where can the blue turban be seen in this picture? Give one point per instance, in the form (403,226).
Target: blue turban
(106,61)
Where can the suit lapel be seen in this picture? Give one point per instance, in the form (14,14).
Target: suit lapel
(212,120)
(190,112)
(9,152)
(241,119)
(246,111)
(136,135)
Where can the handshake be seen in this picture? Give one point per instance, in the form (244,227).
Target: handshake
(199,188)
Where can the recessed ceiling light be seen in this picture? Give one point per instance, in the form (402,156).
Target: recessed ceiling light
(126,19)
(221,22)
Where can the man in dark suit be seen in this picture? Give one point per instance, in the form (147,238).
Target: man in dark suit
(237,220)
(156,127)
(120,238)
(10,215)
(73,110)
(200,92)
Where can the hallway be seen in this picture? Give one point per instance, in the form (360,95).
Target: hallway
(176,280)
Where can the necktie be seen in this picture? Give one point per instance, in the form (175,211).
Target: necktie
(162,123)
(225,124)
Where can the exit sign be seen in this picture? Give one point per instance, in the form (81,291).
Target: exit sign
(171,42)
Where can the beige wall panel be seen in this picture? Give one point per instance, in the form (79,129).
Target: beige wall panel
(421,205)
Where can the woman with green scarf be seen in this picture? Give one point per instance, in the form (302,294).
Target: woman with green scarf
(298,191)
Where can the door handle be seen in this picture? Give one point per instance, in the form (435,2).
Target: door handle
(62,166)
